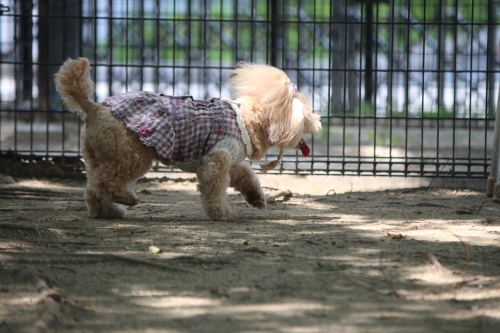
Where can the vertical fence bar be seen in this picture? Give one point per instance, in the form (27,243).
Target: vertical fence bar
(360,88)
(491,60)
(17,92)
(441,19)
(141,59)
(275,31)
(174,46)
(422,105)
(455,76)
(390,80)
(494,177)
(407,82)
(472,41)
(335,13)
(111,32)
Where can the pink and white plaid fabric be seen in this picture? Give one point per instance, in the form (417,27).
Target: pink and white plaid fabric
(181,129)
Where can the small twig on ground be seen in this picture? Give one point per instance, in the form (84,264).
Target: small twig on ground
(131,260)
(50,298)
(466,254)
(429,204)
(60,259)
(147,263)
(435,262)
(389,283)
(396,236)
(225,259)
(17,226)
(286,194)
(255,250)
(63,268)
(466,268)
(480,207)
(386,278)
(157,211)
(80,259)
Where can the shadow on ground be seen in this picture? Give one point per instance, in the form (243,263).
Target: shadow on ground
(413,260)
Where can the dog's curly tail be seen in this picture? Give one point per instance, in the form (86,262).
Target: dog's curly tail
(75,86)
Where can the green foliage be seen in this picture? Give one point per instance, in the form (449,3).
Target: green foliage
(473,11)
(383,137)
(443,113)
(213,29)
(144,191)
(365,109)
(464,212)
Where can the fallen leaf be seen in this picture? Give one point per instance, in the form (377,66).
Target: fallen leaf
(155,249)
(286,195)
(397,236)
(464,211)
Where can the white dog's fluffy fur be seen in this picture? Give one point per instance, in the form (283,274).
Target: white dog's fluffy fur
(274,114)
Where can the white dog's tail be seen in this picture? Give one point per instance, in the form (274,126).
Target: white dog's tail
(75,86)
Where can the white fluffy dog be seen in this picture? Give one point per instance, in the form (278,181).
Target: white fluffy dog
(126,132)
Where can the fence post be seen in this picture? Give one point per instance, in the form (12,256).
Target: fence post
(368,52)
(492,187)
(338,30)
(276,31)
(26,51)
(441,18)
(490,52)
(59,38)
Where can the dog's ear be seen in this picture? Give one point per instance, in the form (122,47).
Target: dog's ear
(286,120)
(287,125)
(272,93)
(312,122)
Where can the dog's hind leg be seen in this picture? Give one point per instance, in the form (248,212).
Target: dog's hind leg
(213,177)
(113,166)
(107,193)
(99,205)
(109,186)
(244,180)
(134,162)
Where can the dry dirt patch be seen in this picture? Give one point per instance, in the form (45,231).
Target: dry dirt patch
(400,260)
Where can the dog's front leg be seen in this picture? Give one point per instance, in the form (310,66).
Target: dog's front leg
(245,181)
(213,177)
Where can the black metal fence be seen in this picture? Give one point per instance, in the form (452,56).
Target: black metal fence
(404,88)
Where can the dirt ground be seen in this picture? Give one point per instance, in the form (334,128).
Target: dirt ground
(337,255)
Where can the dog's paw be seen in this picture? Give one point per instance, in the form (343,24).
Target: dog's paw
(258,203)
(113,211)
(231,215)
(134,202)
(127,201)
(256,199)
(221,214)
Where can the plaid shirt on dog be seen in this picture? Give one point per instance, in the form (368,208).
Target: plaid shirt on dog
(179,128)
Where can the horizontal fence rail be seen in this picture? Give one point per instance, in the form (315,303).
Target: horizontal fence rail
(404,88)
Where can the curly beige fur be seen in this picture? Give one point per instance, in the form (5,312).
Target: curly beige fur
(273,112)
